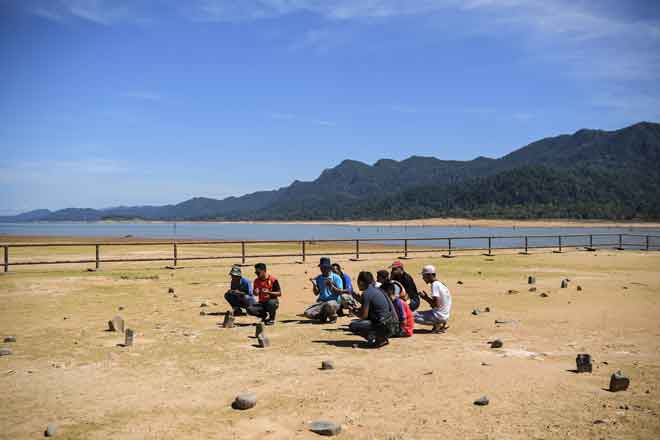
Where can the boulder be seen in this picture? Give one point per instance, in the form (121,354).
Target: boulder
(619,382)
(244,401)
(324,427)
(583,363)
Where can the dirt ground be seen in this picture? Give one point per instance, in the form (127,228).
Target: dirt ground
(179,378)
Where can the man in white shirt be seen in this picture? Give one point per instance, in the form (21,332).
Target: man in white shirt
(439,300)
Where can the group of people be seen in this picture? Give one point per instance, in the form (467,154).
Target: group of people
(385,306)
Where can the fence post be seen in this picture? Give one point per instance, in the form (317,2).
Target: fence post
(647,243)
(526,244)
(175,253)
(591,241)
(489,246)
(620,242)
(357,249)
(6,258)
(449,245)
(304,256)
(559,243)
(242,252)
(98,262)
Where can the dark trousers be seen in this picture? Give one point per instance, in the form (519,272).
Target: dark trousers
(414,303)
(238,301)
(264,310)
(367,328)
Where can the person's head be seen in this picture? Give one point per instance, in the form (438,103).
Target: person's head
(336,268)
(397,269)
(235,273)
(260,271)
(389,289)
(382,276)
(364,280)
(428,274)
(325,266)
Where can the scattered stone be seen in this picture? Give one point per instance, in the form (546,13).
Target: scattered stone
(244,401)
(544,295)
(174,295)
(263,340)
(531,280)
(497,343)
(202,313)
(583,363)
(619,382)
(170,290)
(128,341)
(532,289)
(4,351)
(600,422)
(579,288)
(487,310)
(564,283)
(475,312)
(504,321)
(327,365)
(120,308)
(258,329)
(459,282)
(116,324)
(512,292)
(51,430)
(482,401)
(323,427)
(10,339)
(229,320)
(203,305)
(485,364)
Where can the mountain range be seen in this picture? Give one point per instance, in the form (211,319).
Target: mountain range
(590,174)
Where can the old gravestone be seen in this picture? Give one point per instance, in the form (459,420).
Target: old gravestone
(564,284)
(116,324)
(129,338)
(583,363)
(229,320)
(531,280)
(619,382)
(327,365)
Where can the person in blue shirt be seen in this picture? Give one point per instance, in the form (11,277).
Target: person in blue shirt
(239,296)
(348,303)
(328,287)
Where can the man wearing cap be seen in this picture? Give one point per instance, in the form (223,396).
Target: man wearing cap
(400,275)
(439,300)
(329,287)
(239,296)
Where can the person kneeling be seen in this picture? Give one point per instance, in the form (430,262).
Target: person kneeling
(440,302)
(239,296)
(329,288)
(406,319)
(268,289)
(377,317)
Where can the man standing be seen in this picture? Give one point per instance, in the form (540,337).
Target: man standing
(268,290)
(329,287)
(400,275)
(377,319)
(439,300)
(239,296)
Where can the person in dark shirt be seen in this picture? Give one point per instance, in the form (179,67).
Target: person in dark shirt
(377,317)
(400,275)
(239,296)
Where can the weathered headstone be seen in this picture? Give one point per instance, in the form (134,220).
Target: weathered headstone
(564,283)
(229,320)
(258,329)
(497,343)
(531,280)
(51,430)
(619,382)
(244,401)
(327,365)
(583,363)
(10,339)
(263,340)
(324,427)
(4,351)
(129,338)
(482,401)
(116,324)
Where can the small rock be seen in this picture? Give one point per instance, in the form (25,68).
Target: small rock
(258,329)
(327,365)
(579,288)
(583,363)
(564,283)
(323,427)
(263,340)
(229,320)
(170,290)
(532,289)
(487,310)
(244,401)
(128,340)
(619,382)
(202,313)
(544,295)
(116,324)
(600,422)
(512,292)
(203,305)
(51,430)
(531,280)
(485,364)
(497,343)
(482,401)
(475,312)
(174,295)
(504,321)
(10,339)
(4,351)
(120,308)
(459,282)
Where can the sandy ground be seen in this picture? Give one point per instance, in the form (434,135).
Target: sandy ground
(180,377)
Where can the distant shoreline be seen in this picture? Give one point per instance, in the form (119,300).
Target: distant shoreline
(447,222)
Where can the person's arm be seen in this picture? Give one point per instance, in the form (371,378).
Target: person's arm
(411,288)
(425,296)
(276,291)
(315,287)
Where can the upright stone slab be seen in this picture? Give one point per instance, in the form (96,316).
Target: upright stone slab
(564,284)
(116,324)
(258,329)
(129,338)
(531,280)
(327,365)
(229,320)
(619,382)
(263,340)
(583,363)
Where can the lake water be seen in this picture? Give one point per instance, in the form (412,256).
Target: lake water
(272,231)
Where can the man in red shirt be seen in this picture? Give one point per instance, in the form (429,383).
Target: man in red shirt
(268,290)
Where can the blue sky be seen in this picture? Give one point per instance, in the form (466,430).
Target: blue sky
(130,102)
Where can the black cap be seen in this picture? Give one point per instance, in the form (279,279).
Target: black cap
(325,262)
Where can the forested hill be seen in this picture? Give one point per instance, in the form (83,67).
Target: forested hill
(592,174)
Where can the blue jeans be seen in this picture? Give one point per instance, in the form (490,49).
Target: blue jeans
(414,303)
